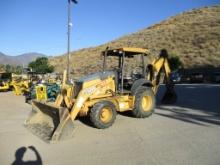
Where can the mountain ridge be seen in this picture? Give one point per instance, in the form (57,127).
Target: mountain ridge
(22,59)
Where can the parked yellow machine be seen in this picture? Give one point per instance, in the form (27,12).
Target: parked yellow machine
(5,79)
(101,96)
(19,87)
(8,82)
(4,86)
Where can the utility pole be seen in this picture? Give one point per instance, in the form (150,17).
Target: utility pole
(69,35)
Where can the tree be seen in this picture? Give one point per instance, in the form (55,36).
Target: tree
(175,63)
(41,65)
(2,68)
(18,69)
(8,68)
(11,68)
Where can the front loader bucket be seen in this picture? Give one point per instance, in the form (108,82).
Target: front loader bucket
(170,96)
(50,123)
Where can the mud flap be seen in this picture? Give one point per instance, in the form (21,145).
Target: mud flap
(50,123)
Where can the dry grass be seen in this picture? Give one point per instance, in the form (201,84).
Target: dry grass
(193,35)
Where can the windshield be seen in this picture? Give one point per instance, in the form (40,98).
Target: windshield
(131,65)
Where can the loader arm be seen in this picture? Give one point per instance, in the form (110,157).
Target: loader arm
(67,117)
(96,90)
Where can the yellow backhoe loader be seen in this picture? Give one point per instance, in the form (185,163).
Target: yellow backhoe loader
(101,95)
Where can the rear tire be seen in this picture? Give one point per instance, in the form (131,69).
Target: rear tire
(103,114)
(144,102)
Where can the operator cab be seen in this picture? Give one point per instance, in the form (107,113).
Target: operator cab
(128,67)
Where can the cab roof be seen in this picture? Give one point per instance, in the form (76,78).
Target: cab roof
(129,51)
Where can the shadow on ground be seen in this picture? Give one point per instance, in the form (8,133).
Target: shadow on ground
(19,154)
(197,104)
(86,120)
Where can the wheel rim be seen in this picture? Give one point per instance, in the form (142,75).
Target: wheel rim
(106,115)
(146,103)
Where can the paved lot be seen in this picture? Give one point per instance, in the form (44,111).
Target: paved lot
(185,133)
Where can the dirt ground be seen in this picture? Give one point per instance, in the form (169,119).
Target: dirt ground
(185,133)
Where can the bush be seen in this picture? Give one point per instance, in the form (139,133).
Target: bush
(175,63)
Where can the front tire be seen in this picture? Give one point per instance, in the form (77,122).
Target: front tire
(103,114)
(144,102)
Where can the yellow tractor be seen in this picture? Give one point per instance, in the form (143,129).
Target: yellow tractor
(101,95)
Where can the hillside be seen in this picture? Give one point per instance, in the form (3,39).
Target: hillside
(194,36)
(22,59)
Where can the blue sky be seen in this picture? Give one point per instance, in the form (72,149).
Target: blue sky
(40,25)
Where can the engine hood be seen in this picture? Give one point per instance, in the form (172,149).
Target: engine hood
(95,76)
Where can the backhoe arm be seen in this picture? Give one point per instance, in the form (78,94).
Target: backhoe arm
(159,66)
(156,68)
